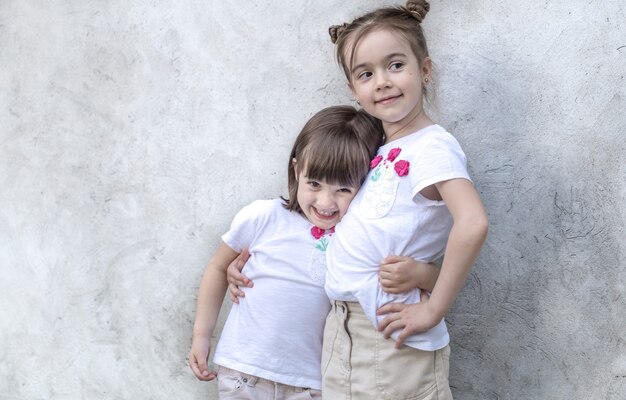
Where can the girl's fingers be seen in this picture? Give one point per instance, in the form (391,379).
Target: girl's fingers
(388,320)
(390,307)
(402,337)
(193,363)
(391,259)
(383,274)
(392,327)
(239,280)
(235,293)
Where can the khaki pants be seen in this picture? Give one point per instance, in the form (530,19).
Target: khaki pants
(359,363)
(233,384)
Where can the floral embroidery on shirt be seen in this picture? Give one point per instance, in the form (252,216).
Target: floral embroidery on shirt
(401,167)
(393,153)
(317,262)
(376,161)
(322,236)
(380,166)
(382,186)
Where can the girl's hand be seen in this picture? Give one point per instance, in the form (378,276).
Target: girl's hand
(198,357)
(236,278)
(410,318)
(399,274)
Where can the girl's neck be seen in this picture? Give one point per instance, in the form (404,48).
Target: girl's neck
(394,131)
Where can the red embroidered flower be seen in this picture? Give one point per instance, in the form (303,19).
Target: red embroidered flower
(393,153)
(317,232)
(376,161)
(402,167)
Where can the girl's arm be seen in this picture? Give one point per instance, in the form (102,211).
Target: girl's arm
(210,297)
(467,236)
(399,274)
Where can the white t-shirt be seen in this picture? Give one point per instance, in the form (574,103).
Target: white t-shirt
(276,331)
(389,216)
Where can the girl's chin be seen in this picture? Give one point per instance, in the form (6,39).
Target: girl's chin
(325,223)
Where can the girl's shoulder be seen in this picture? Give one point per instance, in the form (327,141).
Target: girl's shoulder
(429,139)
(264,209)
(271,212)
(267,204)
(434,134)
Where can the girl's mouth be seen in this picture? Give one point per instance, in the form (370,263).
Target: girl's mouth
(387,100)
(325,214)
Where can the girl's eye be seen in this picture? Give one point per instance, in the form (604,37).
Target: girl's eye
(314,184)
(364,75)
(395,66)
(345,190)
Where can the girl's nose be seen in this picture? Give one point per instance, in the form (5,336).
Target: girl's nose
(325,200)
(382,81)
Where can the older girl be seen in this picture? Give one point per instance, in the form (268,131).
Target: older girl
(418,200)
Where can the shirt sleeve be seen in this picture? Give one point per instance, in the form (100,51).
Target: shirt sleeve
(440,159)
(243,229)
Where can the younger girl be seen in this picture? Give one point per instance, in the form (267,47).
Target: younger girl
(272,342)
(418,201)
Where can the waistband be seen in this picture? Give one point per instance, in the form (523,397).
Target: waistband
(252,380)
(352,307)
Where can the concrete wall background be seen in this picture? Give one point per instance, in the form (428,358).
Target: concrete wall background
(131,132)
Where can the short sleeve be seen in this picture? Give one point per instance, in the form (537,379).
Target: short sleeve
(243,228)
(440,159)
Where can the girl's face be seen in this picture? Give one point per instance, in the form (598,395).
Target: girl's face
(386,78)
(323,204)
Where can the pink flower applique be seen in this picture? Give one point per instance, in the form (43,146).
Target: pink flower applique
(317,232)
(381,165)
(376,161)
(401,167)
(393,153)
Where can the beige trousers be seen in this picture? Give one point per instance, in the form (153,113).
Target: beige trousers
(359,363)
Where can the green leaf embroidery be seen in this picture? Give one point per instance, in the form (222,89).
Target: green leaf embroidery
(321,244)
(376,175)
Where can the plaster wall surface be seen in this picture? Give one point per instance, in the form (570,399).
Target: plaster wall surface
(132,132)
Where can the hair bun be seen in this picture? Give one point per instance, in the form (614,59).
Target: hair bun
(335,31)
(418,9)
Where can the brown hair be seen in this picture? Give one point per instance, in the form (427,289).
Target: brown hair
(336,146)
(403,20)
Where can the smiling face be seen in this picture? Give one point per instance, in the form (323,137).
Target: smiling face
(323,204)
(387,79)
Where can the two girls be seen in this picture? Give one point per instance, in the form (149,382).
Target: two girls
(271,345)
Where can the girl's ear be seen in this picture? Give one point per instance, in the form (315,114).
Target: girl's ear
(427,69)
(294,164)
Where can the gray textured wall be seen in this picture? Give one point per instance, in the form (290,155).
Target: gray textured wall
(132,131)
